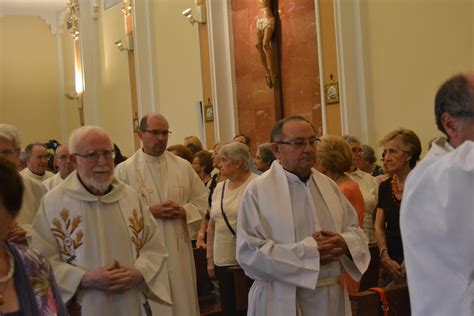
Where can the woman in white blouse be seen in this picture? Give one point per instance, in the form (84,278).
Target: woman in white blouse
(234,165)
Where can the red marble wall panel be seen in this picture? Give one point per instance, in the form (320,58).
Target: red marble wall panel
(299,70)
(299,61)
(255,101)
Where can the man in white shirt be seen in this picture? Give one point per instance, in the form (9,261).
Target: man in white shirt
(177,199)
(37,162)
(105,248)
(65,163)
(296,233)
(452,108)
(437,210)
(33,189)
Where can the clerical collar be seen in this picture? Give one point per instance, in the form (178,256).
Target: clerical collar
(294,178)
(151,158)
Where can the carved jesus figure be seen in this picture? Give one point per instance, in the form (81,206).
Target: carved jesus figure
(265,28)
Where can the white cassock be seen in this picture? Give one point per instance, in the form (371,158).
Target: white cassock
(53,181)
(437,225)
(78,232)
(157,180)
(32,195)
(277,217)
(46,175)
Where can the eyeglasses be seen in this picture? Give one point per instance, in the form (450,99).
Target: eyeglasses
(64,157)
(157,133)
(7,152)
(356,150)
(300,143)
(95,155)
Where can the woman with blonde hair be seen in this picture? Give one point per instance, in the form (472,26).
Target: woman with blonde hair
(334,159)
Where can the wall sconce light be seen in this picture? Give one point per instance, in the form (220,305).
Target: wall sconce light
(127,9)
(121,47)
(80,105)
(200,14)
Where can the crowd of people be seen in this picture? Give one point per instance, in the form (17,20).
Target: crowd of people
(102,234)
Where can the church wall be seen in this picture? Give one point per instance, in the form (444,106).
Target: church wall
(177,77)
(115,105)
(70,106)
(29,93)
(411,47)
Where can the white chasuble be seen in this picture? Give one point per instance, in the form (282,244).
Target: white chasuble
(161,179)
(436,221)
(277,217)
(27,172)
(52,182)
(78,232)
(32,195)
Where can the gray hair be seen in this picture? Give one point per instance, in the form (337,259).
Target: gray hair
(237,152)
(29,149)
(455,97)
(409,142)
(79,133)
(368,153)
(11,134)
(351,139)
(265,152)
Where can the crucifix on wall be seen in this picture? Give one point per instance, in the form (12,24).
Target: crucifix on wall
(265,28)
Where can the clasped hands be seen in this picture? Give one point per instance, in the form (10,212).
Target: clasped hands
(396,270)
(112,279)
(331,246)
(168,210)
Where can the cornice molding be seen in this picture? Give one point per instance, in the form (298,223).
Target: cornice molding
(51,13)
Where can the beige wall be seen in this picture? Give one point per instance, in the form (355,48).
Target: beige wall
(115,104)
(70,106)
(29,93)
(411,47)
(177,77)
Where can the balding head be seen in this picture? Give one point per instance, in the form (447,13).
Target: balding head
(64,161)
(154,131)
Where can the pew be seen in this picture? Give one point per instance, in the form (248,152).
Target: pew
(208,304)
(371,276)
(367,303)
(241,289)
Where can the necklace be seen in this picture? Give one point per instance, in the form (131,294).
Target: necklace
(7,278)
(396,191)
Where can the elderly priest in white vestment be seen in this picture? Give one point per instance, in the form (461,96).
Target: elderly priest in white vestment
(297,234)
(105,248)
(177,198)
(10,146)
(66,165)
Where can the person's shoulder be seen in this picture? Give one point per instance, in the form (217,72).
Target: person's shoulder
(127,162)
(33,184)
(29,254)
(456,162)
